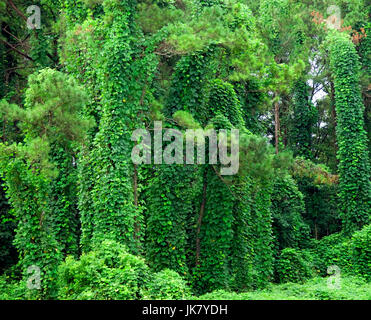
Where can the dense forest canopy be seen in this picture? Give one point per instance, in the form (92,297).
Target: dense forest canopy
(81,220)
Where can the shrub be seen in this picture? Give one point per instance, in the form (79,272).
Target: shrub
(331,250)
(108,272)
(167,285)
(293,266)
(360,250)
(351,255)
(12,290)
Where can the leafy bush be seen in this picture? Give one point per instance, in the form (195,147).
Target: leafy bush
(331,250)
(108,272)
(10,290)
(167,284)
(351,255)
(293,266)
(360,250)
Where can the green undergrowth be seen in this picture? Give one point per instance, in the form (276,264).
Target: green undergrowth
(350,288)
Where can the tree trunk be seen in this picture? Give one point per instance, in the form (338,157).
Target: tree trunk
(199,222)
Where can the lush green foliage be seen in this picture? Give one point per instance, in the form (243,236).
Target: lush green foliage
(109,272)
(167,285)
(315,289)
(74,205)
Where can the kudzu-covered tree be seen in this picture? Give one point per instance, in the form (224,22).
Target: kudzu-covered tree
(230,206)
(84,30)
(354,167)
(124,80)
(215,234)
